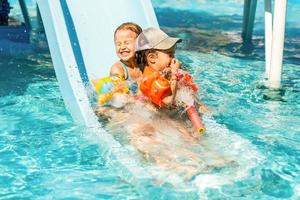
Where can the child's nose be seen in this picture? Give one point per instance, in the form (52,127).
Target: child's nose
(123,46)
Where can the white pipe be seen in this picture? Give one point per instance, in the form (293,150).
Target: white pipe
(277,43)
(268,35)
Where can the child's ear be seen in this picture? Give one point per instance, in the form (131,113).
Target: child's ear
(151,57)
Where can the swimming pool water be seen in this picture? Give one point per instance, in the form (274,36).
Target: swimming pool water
(45,155)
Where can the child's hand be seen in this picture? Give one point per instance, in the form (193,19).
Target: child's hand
(175,65)
(203,109)
(166,70)
(169,102)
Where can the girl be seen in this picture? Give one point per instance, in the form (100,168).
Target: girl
(156,51)
(127,67)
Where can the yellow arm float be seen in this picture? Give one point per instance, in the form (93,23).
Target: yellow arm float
(106,88)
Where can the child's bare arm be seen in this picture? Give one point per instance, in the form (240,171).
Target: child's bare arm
(174,67)
(173,84)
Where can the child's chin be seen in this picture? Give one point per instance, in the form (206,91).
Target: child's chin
(126,58)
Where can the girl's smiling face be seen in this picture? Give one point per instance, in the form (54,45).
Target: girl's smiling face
(125,44)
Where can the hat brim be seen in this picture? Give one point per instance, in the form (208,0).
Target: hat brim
(167,43)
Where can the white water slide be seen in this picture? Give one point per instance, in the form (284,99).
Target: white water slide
(80,38)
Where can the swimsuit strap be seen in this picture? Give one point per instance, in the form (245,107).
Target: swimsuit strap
(125,68)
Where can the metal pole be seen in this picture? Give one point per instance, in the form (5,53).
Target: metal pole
(268,35)
(25,13)
(277,44)
(40,26)
(252,11)
(245,17)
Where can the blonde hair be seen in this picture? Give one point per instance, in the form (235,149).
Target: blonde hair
(129,26)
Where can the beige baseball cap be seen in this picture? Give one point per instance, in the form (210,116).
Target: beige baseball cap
(153,38)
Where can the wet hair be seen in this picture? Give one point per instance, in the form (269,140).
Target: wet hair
(129,26)
(141,60)
(141,57)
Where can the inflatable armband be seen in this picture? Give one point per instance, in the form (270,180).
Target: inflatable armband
(106,87)
(154,86)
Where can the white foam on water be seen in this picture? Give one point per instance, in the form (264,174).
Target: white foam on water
(184,96)
(119,100)
(172,156)
(241,151)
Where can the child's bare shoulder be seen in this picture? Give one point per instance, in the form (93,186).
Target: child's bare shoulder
(116,69)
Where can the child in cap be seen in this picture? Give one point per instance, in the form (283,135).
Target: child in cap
(162,76)
(156,52)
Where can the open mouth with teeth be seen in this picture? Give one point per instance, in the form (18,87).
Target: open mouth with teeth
(124,53)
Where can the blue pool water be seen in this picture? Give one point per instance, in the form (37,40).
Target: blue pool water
(45,155)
